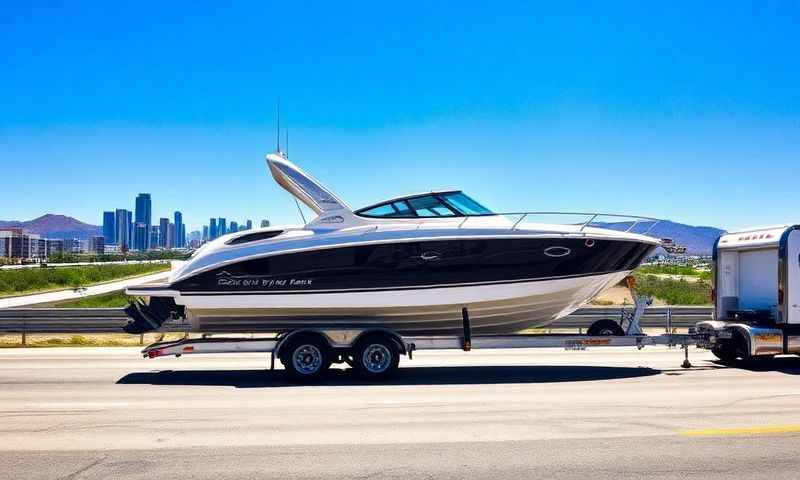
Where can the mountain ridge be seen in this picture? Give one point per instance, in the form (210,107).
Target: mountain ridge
(52,225)
(698,240)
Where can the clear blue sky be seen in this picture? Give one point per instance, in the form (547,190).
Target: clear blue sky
(682,110)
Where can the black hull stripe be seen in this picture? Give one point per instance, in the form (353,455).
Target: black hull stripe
(382,289)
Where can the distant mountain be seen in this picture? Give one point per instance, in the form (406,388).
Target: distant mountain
(56,226)
(697,240)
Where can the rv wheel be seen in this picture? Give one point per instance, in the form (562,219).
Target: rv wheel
(376,357)
(306,357)
(603,328)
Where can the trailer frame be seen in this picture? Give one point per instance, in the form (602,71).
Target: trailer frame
(343,343)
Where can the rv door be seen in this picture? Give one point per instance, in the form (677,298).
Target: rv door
(758,279)
(791,297)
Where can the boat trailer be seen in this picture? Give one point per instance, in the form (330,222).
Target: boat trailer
(374,352)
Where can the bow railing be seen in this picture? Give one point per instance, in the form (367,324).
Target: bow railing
(590,219)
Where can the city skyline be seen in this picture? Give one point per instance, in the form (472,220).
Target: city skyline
(136,231)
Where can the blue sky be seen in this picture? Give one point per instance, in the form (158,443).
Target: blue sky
(681,110)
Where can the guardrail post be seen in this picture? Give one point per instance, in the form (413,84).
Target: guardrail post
(669,320)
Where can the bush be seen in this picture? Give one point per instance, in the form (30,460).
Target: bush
(61,257)
(27,280)
(683,270)
(674,292)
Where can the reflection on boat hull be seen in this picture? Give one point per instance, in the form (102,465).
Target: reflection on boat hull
(494,308)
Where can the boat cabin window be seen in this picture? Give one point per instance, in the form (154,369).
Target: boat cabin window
(465,204)
(431,206)
(449,204)
(388,210)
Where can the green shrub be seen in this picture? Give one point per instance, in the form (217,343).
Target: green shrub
(27,280)
(674,292)
(684,270)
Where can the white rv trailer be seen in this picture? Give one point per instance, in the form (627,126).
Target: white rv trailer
(756,294)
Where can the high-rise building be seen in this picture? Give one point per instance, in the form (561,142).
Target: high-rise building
(222,226)
(205,233)
(212,229)
(180,230)
(144,215)
(171,235)
(109,227)
(124,227)
(155,241)
(141,236)
(264,223)
(234,226)
(249,224)
(163,225)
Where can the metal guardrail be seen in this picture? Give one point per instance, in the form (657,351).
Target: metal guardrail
(111,320)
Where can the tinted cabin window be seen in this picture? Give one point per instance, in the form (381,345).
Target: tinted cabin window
(389,210)
(430,206)
(381,211)
(465,204)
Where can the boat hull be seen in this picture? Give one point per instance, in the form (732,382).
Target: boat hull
(493,308)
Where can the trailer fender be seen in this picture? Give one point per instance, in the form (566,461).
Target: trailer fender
(760,341)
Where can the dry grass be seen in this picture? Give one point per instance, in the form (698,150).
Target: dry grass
(88,340)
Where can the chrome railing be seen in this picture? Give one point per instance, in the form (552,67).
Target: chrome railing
(591,218)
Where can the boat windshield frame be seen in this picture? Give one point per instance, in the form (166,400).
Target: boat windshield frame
(443,207)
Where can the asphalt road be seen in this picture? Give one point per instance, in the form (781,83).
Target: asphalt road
(607,413)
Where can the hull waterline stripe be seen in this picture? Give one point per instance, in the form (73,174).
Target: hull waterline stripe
(381,289)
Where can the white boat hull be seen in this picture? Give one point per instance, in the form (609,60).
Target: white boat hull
(493,308)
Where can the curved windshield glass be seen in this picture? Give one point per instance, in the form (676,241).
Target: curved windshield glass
(464,204)
(450,204)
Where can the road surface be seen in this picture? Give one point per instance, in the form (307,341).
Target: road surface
(99,413)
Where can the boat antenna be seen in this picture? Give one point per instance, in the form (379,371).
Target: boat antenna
(287,142)
(278,131)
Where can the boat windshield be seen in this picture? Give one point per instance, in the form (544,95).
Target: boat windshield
(464,204)
(447,204)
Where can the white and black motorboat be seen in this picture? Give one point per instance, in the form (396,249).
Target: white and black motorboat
(409,264)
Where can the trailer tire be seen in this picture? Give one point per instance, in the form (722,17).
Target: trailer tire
(605,328)
(306,357)
(376,357)
(725,351)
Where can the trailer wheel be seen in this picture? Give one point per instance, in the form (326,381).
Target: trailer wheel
(725,351)
(602,328)
(306,358)
(376,357)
